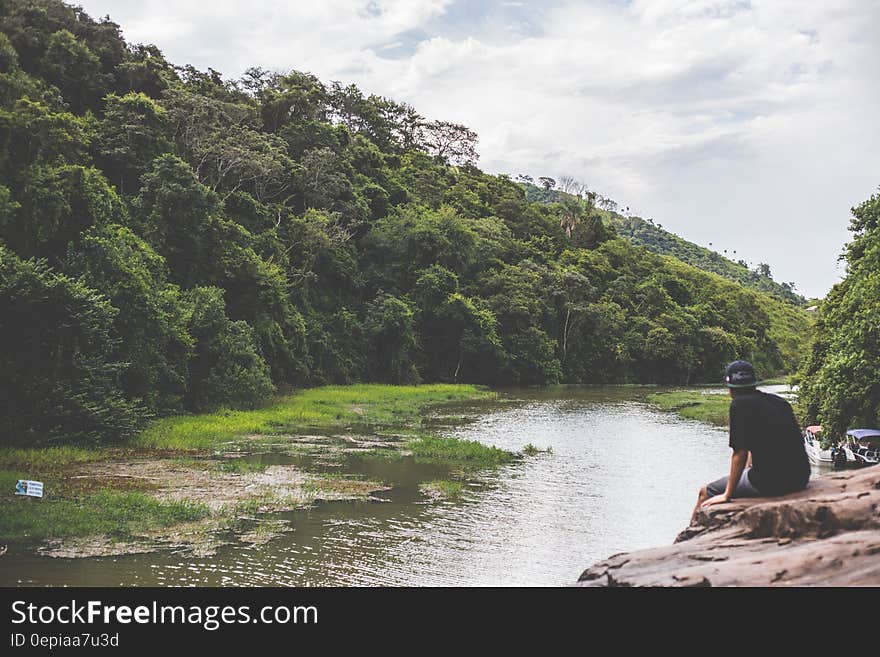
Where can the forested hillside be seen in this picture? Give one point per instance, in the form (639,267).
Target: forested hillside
(172,241)
(652,236)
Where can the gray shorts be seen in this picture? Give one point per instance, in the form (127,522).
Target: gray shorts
(744,487)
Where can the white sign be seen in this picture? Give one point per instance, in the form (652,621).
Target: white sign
(31,488)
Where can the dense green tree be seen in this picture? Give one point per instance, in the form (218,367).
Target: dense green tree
(598,347)
(29,24)
(173,212)
(144,70)
(256,292)
(8,205)
(292,99)
(392,341)
(153,341)
(322,261)
(133,133)
(75,70)
(516,297)
(226,368)
(838,383)
(59,381)
(572,292)
(325,181)
(32,132)
(412,238)
(55,205)
(337,347)
(459,333)
(202,124)
(15,83)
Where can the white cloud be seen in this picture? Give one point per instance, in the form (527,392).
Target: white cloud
(748,124)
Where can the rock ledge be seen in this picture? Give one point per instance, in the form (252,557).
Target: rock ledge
(826,535)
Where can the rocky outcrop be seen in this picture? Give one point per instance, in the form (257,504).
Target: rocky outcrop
(826,535)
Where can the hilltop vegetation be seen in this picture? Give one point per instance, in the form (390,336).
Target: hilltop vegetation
(652,236)
(174,242)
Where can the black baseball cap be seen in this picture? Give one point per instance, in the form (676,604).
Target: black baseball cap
(740,374)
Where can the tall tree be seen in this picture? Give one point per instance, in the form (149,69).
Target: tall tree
(451,142)
(133,133)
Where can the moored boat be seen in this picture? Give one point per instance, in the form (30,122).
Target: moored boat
(862,447)
(813,446)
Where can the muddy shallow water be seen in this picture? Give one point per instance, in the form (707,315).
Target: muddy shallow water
(621,476)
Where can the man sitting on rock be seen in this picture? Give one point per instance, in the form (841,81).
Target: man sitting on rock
(768,451)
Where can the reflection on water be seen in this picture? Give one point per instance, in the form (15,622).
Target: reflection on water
(621,476)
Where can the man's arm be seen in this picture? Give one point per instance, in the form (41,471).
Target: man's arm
(737,464)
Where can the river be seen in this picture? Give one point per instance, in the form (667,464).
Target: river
(621,476)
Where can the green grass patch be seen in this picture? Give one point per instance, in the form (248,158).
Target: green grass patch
(442,488)
(109,513)
(7,481)
(710,408)
(51,458)
(466,454)
(324,407)
(456,450)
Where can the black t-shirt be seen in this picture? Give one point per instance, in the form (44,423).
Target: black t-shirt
(765,425)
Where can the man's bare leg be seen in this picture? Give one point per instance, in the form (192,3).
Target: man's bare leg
(702,497)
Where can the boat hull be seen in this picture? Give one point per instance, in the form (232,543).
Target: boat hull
(817,455)
(859,460)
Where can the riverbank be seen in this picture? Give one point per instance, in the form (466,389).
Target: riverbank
(703,405)
(187,480)
(695,405)
(826,535)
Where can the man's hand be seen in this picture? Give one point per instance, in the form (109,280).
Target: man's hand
(717,499)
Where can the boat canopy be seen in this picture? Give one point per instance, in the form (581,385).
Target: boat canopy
(815,428)
(863,434)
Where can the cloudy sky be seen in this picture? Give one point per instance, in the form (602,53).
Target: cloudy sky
(752,125)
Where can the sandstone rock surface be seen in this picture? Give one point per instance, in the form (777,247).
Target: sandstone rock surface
(826,535)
